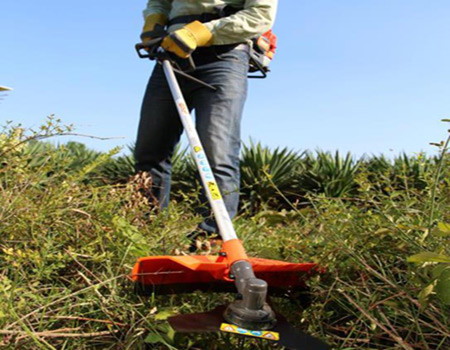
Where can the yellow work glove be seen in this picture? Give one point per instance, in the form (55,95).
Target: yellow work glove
(153,27)
(184,41)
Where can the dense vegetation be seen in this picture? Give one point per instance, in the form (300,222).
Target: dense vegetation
(73,221)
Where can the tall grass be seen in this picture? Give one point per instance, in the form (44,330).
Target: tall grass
(73,221)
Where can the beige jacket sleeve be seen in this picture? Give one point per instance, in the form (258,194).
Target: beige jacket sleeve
(256,18)
(158,7)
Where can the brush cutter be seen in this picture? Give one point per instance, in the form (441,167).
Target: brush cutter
(232,270)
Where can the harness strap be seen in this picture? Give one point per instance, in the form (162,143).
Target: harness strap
(203,18)
(220,12)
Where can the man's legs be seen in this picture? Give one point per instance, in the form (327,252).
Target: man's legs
(159,131)
(218,119)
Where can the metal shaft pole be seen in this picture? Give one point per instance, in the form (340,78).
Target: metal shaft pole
(221,215)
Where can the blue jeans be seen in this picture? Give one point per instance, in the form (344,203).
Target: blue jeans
(218,118)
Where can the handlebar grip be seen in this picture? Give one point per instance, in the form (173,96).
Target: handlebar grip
(150,43)
(150,48)
(153,52)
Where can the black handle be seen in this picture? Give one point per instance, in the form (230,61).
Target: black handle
(152,51)
(256,66)
(150,48)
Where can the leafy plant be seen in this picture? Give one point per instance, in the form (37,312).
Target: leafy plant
(328,174)
(266,173)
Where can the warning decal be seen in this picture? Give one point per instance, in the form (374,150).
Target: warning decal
(229,328)
(214,189)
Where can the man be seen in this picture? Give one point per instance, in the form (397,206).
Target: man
(216,33)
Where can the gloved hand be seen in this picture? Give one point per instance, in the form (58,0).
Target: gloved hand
(153,27)
(184,41)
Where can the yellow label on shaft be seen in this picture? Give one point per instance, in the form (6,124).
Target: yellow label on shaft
(197,149)
(214,189)
(268,335)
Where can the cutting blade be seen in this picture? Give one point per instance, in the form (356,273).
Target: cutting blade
(211,321)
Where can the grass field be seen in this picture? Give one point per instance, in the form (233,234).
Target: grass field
(73,221)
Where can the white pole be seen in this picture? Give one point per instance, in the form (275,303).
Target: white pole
(221,215)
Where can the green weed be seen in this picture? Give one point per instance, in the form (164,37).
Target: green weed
(73,222)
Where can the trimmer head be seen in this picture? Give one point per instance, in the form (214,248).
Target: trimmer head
(261,319)
(250,315)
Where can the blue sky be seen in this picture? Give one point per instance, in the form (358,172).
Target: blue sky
(368,76)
